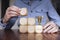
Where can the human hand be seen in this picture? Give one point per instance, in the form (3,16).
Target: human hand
(11,12)
(50,27)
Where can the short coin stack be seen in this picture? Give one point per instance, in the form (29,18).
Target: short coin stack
(31,25)
(23,25)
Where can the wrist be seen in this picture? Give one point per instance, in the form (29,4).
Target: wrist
(3,21)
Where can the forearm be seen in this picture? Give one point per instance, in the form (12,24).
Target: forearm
(10,23)
(2,25)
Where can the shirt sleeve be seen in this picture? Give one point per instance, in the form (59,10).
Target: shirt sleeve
(3,25)
(10,23)
(52,13)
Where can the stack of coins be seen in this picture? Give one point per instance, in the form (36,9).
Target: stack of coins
(23,21)
(31,25)
(23,25)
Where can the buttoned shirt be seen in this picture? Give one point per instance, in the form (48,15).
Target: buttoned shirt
(39,8)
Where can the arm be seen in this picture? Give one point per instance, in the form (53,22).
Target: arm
(2,25)
(11,22)
(14,11)
(52,13)
(18,4)
(53,25)
(10,16)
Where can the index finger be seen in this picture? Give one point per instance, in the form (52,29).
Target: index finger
(47,25)
(14,8)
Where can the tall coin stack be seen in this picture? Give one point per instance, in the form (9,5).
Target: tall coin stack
(23,21)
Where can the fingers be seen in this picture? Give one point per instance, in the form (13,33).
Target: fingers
(13,13)
(47,29)
(48,24)
(10,12)
(13,8)
(50,27)
(53,30)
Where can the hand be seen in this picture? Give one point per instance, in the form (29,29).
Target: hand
(50,27)
(11,12)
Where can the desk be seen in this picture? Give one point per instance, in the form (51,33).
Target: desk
(15,35)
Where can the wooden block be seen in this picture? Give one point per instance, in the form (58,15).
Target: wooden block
(38,29)
(23,29)
(23,21)
(31,29)
(23,12)
(31,21)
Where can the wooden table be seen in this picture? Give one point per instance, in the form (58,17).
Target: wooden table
(15,35)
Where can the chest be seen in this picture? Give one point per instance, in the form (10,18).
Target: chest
(39,6)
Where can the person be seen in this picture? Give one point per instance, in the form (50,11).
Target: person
(35,8)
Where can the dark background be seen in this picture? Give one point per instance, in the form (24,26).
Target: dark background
(5,4)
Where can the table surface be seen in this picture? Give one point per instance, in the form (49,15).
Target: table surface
(15,35)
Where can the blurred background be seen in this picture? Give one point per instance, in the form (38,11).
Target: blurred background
(6,3)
